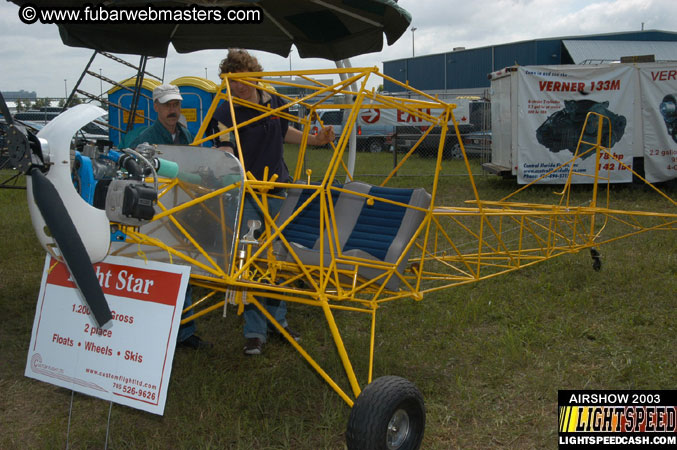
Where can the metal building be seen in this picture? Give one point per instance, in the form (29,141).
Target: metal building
(468,69)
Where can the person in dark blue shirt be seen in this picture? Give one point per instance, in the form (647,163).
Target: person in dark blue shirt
(262,144)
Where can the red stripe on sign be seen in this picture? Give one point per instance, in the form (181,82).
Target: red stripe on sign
(125,281)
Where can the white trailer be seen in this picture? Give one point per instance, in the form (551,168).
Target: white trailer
(537,114)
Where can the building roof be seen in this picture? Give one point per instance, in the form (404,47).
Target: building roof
(597,51)
(622,36)
(468,68)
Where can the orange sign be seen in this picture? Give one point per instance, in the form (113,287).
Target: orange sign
(190,114)
(139,117)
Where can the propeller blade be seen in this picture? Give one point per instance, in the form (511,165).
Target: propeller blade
(70,245)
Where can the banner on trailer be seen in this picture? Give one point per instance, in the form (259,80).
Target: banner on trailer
(553,105)
(398,117)
(659,114)
(128,362)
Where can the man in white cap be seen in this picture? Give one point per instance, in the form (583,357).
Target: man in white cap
(167,129)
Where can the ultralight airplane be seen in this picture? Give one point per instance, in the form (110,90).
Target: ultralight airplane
(337,244)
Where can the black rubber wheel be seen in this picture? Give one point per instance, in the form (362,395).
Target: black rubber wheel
(374,146)
(389,414)
(596,259)
(456,152)
(452,150)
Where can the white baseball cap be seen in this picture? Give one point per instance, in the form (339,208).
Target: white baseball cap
(166,92)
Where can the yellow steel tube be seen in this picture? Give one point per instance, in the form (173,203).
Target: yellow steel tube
(195,201)
(372,339)
(202,312)
(305,354)
(144,239)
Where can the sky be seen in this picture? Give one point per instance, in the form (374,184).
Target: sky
(33,58)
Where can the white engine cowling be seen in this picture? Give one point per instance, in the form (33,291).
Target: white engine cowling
(92,224)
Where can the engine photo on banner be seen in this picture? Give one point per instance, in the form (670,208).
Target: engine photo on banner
(668,109)
(562,129)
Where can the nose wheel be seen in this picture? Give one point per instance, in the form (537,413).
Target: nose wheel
(389,414)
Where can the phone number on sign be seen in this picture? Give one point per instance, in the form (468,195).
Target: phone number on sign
(141,393)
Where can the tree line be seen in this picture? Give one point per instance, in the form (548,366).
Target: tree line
(44,102)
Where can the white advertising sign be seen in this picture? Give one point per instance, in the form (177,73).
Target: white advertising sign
(127,363)
(553,103)
(659,113)
(393,117)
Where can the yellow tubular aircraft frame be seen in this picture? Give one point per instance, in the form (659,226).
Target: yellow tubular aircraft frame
(452,246)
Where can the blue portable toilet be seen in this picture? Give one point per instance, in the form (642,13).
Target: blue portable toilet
(198,94)
(118,117)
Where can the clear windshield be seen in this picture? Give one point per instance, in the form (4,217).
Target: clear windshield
(201,231)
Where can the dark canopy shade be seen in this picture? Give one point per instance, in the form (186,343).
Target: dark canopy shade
(331,29)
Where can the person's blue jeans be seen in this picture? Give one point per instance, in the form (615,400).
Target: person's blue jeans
(187,330)
(255,323)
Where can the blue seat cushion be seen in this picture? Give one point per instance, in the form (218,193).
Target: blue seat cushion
(378,224)
(305,228)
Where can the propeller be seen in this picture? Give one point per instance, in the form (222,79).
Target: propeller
(25,153)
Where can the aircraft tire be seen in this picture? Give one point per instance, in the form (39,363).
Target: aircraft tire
(389,414)
(374,146)
(456,152)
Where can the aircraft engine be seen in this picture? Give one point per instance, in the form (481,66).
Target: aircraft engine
(668,109)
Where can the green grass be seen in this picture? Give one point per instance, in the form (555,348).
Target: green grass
(488,357)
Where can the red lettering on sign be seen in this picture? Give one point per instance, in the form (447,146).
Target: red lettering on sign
(664,75)
(560,86)
(409,118)
(125,281)
(406,117)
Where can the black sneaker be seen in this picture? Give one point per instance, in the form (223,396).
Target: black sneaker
(296,336)
(194,342)
(253,346)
